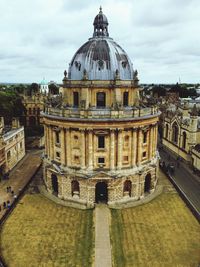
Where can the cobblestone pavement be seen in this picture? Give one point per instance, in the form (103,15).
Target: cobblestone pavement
(184,177)
(19,177)
(102,236)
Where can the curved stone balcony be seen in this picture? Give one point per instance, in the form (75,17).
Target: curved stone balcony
(102,113)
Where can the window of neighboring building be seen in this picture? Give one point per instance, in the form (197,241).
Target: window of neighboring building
(101,99)
(20,145)
(75,99)
(38,111)
(166,131)
(144,137)
(57,137)
(101,160)
(125,99)
(101,141)
(175,132)
(33,110)
(184,140)
(29,111)
(8,155)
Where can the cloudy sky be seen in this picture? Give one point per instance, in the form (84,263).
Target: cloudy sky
(39,37)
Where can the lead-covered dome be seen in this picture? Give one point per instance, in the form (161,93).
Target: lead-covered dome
(100,58)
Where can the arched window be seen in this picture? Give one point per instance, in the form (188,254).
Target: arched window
(147,183)
(75,188)
(127,187)
(75,99)
(125,99)
(166,131)
(184,140)
(101,100)
(54,183)
(175,132)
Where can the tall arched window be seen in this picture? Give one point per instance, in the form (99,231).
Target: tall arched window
(101,99)
(125,99)
(175,132)
(184,140)
(166,131)
(75,99)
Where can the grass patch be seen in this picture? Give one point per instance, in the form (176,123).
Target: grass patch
(42,233)
(160,233)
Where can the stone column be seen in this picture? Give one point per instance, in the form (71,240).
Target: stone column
(150,142)
(46,139)
(63,147)
(134,147)
(139,147)
(155,139)
(90,149)
(83,149)
(112,149)
(51,141)
(68,144)
(119,155)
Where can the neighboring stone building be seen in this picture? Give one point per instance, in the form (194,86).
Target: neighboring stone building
(100,140)
(13,145)
(33,104)
(181,130)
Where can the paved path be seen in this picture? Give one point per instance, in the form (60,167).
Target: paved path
(184,177)
(102,236)
(19,177)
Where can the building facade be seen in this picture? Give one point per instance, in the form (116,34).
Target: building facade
(100,140)
(182,130)
(13,146)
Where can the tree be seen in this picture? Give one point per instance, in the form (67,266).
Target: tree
(53,89)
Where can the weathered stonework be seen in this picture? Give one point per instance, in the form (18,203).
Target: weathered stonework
(100,142)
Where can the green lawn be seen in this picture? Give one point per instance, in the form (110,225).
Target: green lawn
(42,233)
(158,234)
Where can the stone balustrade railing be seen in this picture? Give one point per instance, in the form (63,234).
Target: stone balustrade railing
(98,113)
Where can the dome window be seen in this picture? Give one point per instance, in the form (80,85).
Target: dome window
(78,65)
(101,64)
(124,64)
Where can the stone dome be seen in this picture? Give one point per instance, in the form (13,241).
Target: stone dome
(100,58)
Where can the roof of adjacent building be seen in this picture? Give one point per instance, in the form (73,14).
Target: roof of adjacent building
(197,147)
(100,58)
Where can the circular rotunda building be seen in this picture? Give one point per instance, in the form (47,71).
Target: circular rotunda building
(100,139)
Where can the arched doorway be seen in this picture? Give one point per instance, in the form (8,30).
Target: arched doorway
(101,192)
(147,183)
(54,182)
